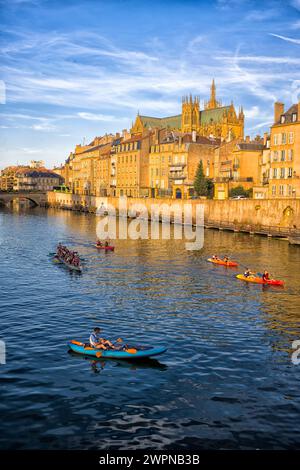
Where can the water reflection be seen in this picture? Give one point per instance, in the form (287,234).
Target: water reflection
(226,380)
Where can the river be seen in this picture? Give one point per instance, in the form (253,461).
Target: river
(226,382)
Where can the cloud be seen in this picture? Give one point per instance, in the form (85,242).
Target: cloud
(296,25)
(262,15)
(285,38)
(296,4)
(96,117)
(264,59)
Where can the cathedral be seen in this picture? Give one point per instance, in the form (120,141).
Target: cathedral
(214,120)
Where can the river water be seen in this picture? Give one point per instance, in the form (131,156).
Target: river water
(226,382)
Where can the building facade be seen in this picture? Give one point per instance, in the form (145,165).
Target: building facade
(284,177)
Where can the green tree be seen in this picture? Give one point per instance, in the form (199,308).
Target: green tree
(200,183)
(240,191)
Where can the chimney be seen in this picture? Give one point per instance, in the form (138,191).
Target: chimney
(194,136)
(278,110)
(265,138)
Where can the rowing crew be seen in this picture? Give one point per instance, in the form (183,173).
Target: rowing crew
(70,257)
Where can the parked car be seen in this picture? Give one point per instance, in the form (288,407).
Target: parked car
(241,196)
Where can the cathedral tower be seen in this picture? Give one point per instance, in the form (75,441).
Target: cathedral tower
(190,118)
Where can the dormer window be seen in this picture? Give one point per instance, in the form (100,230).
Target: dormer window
(282,119)
(294,117)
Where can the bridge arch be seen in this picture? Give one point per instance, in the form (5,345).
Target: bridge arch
(6,198)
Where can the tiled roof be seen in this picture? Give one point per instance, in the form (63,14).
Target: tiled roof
(36,173)
(215,115)
(174,122)
(250,146)
(288,114)
(171,122)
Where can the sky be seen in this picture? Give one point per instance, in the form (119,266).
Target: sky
(72,70)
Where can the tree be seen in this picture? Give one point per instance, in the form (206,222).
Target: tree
(240,191)
(200,183)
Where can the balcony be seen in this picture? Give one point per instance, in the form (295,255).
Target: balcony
(177,176)
(176,166)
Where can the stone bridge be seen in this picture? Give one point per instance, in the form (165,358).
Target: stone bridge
(36,197)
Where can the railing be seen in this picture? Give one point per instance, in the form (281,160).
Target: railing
(268,230)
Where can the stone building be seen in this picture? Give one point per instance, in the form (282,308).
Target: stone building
(284,178)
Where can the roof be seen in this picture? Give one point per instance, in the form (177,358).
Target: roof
(250,146)
(288,114)
(36,173)
(172,122)
(216,114)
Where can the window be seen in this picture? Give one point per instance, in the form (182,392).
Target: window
(282,155)
(281,190)
(275,156)
(290,172)
(282,119)
(283,138)
(294,117)
(273,190)
(274,172)
(275,139)
(290,154)
(282,173)
(291,137)
(290,190)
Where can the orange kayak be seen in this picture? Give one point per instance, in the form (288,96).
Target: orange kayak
(259,280)
(231,264)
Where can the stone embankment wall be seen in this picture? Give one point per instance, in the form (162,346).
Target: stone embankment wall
(268,216)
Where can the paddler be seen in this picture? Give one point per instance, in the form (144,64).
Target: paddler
(265,276)
(97,342)
(226,259)
(99,243)
(248,273)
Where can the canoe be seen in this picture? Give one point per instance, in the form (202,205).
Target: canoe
(130,353)
(70,266)
(106,248)
(259,280)
(231,264)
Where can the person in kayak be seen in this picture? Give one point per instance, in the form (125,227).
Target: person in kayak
(248,273)
(226,259)
(97,342)
(215,257)
(99,242)
(265,276)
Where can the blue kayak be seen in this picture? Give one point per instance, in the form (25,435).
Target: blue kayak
(129,353)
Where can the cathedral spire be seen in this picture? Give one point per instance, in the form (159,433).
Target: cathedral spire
(213,103)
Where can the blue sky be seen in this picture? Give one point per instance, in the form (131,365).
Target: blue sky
(76,69)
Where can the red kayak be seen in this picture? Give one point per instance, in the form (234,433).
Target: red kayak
(106,248)
(231,264)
